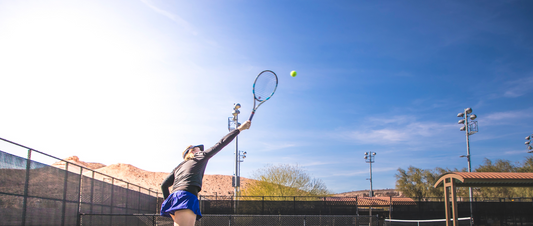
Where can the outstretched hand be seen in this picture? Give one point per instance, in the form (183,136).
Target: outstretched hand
(245,125)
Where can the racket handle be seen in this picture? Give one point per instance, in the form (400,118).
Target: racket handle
(251,115)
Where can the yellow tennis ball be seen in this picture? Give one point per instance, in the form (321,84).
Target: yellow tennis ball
(293,73)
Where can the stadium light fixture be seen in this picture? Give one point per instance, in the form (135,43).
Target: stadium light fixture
(470,128)
(528,143)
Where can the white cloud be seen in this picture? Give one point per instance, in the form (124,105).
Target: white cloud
(363,172)
(519,87)
(396,129)
(516,152)
(505,117)
(176,18)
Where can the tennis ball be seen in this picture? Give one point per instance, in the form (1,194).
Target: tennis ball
(293,73)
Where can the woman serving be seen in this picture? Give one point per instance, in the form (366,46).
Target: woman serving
(186,181)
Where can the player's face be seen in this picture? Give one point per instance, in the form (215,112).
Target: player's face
(195,150)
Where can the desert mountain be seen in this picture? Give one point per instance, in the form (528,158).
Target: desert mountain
(76,160)
(219,185)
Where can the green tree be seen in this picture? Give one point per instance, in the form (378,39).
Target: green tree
(526,167)
(418,183)
(498,166)
(284,180)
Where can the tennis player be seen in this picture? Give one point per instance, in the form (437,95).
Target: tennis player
(186,181)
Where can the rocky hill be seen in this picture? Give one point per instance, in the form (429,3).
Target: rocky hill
(219,185)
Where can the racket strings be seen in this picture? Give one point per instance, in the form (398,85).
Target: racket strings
(264,86)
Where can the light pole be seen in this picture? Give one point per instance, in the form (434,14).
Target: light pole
(470,128)
(369,158)
(528,143)
(235,121)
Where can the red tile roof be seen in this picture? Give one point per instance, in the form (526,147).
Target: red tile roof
(495,175)
(487,179)
(373,201)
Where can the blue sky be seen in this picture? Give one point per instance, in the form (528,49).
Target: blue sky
(137,81)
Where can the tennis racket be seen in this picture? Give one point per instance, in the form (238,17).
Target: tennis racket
(265,86)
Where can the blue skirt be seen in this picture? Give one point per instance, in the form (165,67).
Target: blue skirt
(180,200)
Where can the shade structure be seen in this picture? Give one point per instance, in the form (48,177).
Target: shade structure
(452,180)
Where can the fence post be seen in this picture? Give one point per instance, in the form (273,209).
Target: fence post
(234,205)
(65,187)
(26,185)
(356,206)
(92,191)
(294,205)
(156,203)
(79,197)
(390,207)
(111,197)
(139,203)
(127,196)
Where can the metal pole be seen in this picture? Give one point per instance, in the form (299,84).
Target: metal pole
(371,189)
(236,163)
(64,201)
(236,179)
(467,129)
(26,188)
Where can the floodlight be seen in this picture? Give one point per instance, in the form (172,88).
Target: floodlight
(462,128)
(461,115)
(235,112)
(244,153)
(468,110)
(374,153)
(528,137)
(472,117)
(366,153)
(527,142)
(462,121)
(529,147)
(366,157)
(237,106)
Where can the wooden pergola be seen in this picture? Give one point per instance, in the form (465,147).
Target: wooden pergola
(482,179)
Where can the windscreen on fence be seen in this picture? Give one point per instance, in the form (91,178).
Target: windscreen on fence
(33,193)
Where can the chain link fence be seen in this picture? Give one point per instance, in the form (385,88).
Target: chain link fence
(33,192)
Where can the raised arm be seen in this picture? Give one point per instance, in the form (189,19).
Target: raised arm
(226,140)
